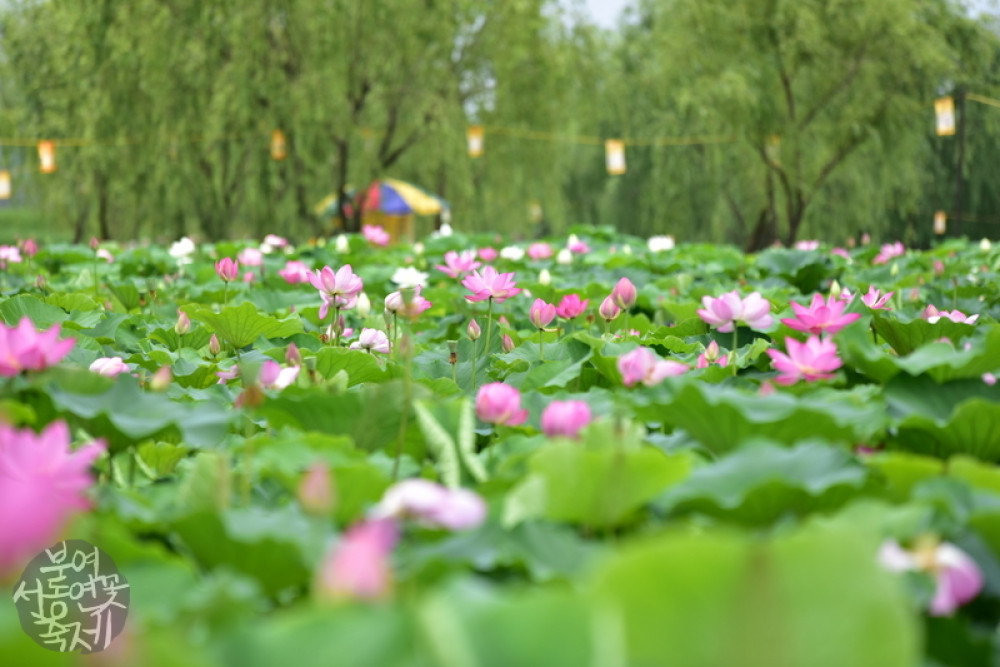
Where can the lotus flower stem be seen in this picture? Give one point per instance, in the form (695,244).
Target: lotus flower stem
(404,418)
(489,329)
(541,344)
(474,351)
(225,294)
(732,360)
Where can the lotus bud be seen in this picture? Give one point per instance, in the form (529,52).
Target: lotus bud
(507,343)
(292,355)
(624,294)
(161,379)
(835,289)
(564,257)
(183,325)
(364,305)
(418,248)
(985,245)
(40,282)
(213,345)
(316,490)
(342,245)
(473,330)
(544,277)
(609,310)
(94,243)
(626,249)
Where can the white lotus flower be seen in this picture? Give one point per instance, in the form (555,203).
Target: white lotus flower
(182,250)
(660,243)
(409,276)
(512,252)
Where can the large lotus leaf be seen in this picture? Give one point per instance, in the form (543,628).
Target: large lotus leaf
(942,361)
(817,597)
(762,482)
(486,628)
(276,547)
(371,414)
(722,417)
(243,324)
(906,335)
(123,413)
(594,487)
(546,550)
(318,636)
(802,269)
(41,314)
(900,472)
(359,366)
(961,417)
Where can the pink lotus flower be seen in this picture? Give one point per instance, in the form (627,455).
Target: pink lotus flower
(340,289)
(295,272)
(570,306)
(576,246)
(372,340)
(227,269)
(539,251)
(565,418)
(842,252)
(273,376)
(358,568)
(807,245)
(22,348)
(432,505)
(275,241)
(395,303)
(821,316)
(459,263)
(499,403)
(989,378)
(250,257)
(375,235)
(227,375)
(541,314)
(711,356)
(814,359)
(9,253)
(932,315)
(642,365)
(488,254)
(888,251)
(42,484)
(624,294)
(249,277)
(875,300)
(957,577)
(489,284)
(109,366)
(609,310)
(105,254)
(316,492)
(728,310)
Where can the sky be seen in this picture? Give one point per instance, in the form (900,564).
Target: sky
(605,12)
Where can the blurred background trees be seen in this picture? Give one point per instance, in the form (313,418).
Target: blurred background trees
(815,117)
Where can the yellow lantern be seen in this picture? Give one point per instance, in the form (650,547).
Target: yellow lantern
(614,156)
(940,222)
(279,149)
(944,109)
(4,184)
(47,156)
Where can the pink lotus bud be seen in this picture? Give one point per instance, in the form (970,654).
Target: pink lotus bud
(624,294)
(292,355)
(227,269)
(541,314)
(30,248)
(250,257)
(213,345)
(316,492)
(358,567)
(609,310)
(183,325)
(249,277)
(40,282)
(499,403)
(109,366)
(938,267)
(161,379)
(473,330)
(507,343)
(565,418)
(94,243)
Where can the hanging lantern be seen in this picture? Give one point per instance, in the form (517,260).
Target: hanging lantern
(474,137)
(47,156)
(944,109)
(4,184)
(940,222)
(614,156)
(279,149)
